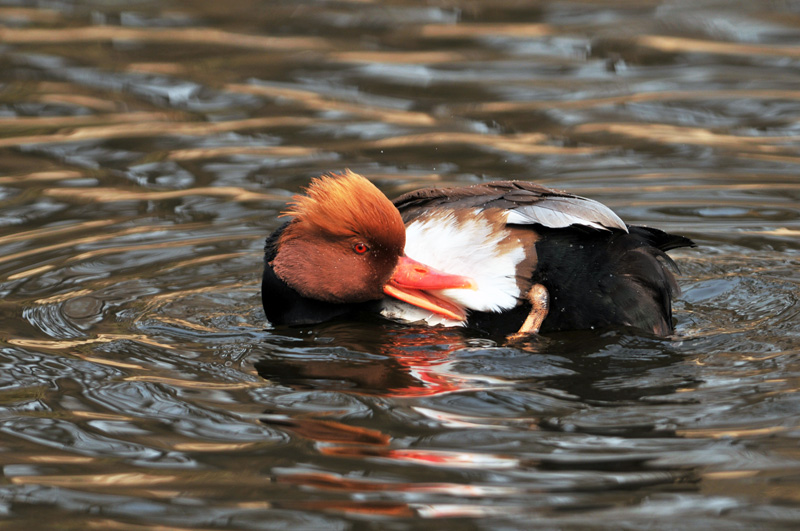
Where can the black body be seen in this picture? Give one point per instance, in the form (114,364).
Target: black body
(599,280)
(608,279)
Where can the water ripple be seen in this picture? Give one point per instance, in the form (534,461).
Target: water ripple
(147,152)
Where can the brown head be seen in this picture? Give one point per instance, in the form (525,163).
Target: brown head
(344,242)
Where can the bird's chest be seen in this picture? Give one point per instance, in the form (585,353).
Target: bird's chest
(474,243)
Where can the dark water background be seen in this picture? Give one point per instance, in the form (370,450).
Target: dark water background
(146,149)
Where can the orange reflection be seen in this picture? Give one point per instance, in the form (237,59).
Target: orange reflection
(412,362)
(348,486)
(335,482)
(192,262)
(229,151)
(62,297)
(685,45)
(474,30)
(425,358)
(523,143)
(426,57)
(330,431)
(675,134)
(155,128)
(324,102)
(150,246)
(191,384)
(61,459)
(50,232)
(128,479)
(63,344)
(74,242)
(55,175)
(33,14)
(214,447)
(197,35)
(637,97)
(415,364)
(31,272)
(374,508)
(441,458)
(399,509)
(170,69)
(96,104)
(27,122)
(732,433)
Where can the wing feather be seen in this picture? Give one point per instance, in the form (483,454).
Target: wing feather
(562,211)
(526,203)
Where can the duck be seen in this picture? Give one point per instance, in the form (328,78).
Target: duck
(508,257)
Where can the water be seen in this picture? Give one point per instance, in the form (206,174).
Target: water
(148,148)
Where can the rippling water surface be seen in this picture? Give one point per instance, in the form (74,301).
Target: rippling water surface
(146,149)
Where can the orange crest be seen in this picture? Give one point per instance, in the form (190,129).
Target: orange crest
(348,204)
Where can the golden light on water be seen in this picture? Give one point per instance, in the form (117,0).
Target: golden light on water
(148,148)
(197,35)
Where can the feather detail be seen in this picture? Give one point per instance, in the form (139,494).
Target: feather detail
(560,211)
(526,203)
(469,242)
(347,204)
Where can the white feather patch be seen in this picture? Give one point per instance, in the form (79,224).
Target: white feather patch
(467,245)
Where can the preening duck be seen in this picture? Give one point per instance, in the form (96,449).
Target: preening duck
(509,257)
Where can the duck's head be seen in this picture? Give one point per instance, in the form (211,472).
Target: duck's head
(345,244)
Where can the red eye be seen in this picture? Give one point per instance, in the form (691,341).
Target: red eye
(360,248)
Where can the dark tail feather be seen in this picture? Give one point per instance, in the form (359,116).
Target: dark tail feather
(659,279)
(660,239)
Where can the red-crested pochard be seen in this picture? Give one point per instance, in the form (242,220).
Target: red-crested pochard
(508,256)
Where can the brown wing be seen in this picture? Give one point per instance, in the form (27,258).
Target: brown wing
(526,203)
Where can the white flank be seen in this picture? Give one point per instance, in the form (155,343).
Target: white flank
(469,246)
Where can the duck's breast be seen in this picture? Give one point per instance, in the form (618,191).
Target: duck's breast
(476,243)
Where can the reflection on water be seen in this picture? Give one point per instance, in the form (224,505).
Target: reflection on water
(147,150)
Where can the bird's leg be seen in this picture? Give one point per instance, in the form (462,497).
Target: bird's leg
(540,304)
